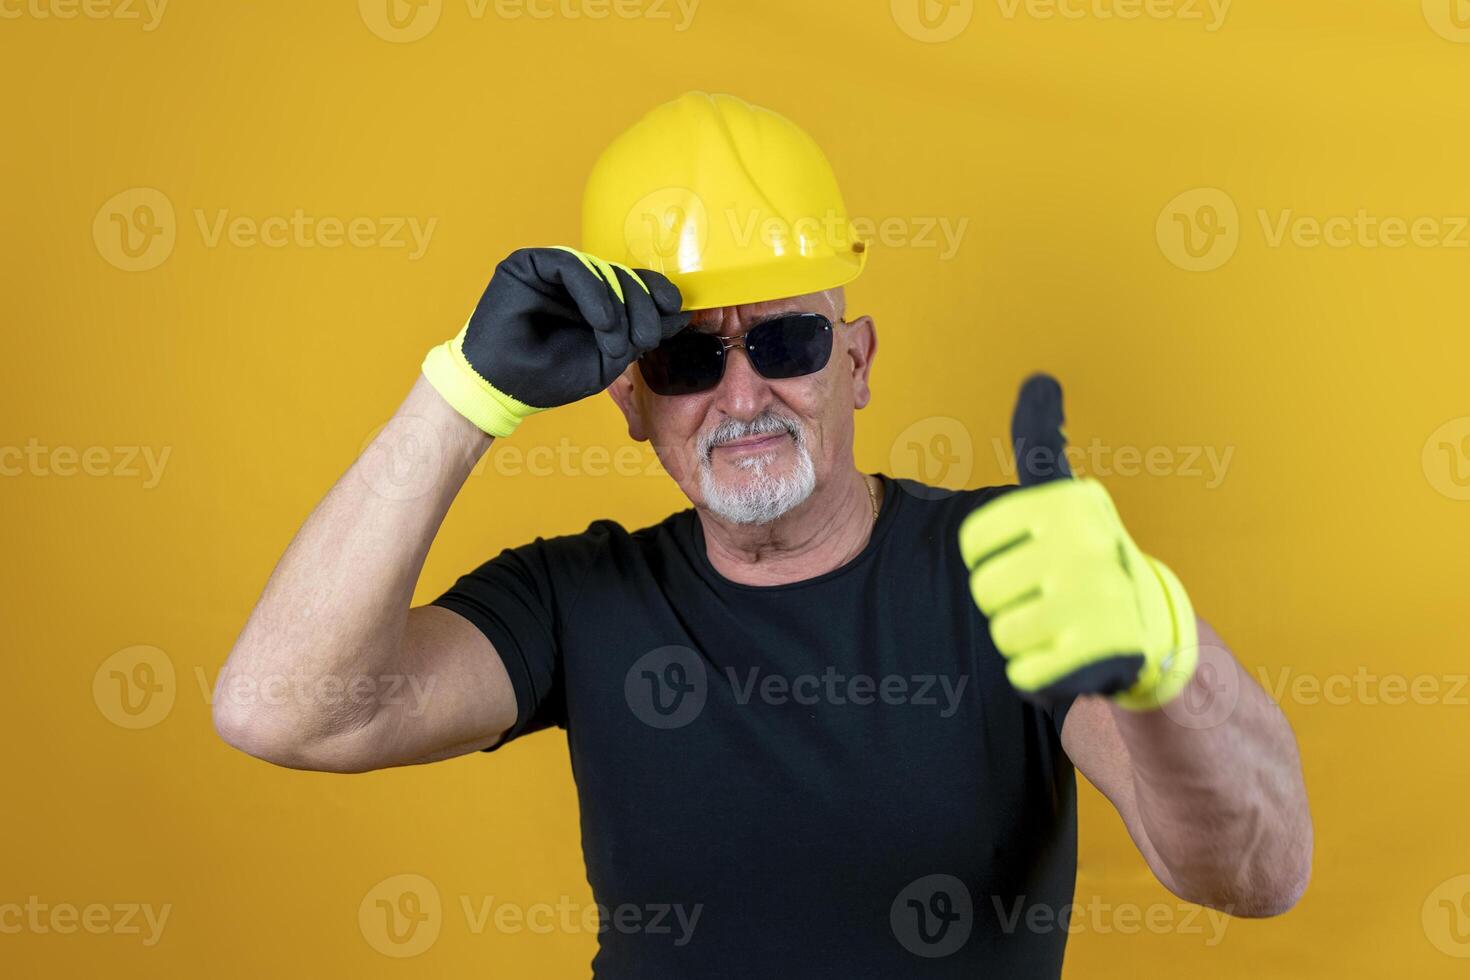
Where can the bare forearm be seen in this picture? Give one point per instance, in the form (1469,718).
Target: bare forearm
(334,610)
(1219,790)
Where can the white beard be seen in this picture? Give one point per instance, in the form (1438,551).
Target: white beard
(765,497)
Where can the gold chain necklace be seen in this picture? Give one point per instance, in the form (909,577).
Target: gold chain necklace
(872,498)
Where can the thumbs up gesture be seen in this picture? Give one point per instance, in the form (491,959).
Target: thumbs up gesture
(1074,606)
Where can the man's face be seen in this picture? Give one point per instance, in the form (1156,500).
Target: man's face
(751,449)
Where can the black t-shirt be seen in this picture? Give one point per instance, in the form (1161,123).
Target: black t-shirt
(828,778)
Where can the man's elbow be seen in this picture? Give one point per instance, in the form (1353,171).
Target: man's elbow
(1276,898)
(254,733)
(286,741)
(1263,892)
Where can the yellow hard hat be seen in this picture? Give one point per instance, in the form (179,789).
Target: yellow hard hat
(733,202)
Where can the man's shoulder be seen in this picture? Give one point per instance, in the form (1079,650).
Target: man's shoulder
(603,538)
(944,504)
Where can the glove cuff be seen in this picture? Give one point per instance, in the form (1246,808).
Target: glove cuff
(469,394)
(1174,667)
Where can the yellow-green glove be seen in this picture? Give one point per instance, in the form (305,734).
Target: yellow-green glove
(553,326)
(1074,605)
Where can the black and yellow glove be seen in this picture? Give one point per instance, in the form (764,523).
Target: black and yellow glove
(554,326)
(1074,605)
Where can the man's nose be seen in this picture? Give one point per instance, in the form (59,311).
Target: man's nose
(743,393)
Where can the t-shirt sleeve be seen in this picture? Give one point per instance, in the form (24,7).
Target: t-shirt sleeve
(519,599)
(1058,714)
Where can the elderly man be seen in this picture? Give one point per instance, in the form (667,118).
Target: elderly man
(825,720)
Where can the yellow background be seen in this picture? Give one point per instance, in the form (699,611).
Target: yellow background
(1334,546)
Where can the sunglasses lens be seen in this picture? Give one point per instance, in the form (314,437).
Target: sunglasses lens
(790,346)
(688,362)
(692,361)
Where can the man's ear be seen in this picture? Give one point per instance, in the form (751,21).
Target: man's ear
(862,346)
(624,391)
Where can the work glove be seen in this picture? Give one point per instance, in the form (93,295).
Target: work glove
(555,325)
(1074,606)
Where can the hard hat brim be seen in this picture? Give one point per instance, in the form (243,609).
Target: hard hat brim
(707,290)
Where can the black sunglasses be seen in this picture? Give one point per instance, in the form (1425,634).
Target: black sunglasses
(786,346)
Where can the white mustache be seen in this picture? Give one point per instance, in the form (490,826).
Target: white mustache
(731,430)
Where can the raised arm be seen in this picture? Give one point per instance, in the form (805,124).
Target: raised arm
(334,671)
(1200,763)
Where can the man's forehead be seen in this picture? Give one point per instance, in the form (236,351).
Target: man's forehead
(730,319)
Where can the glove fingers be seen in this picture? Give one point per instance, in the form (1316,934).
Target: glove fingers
(644,327)
(992,528)
(1008,578)
(580,276)
(1024,628)
(613,337)
(667,300)
(673,323)
(665,294)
